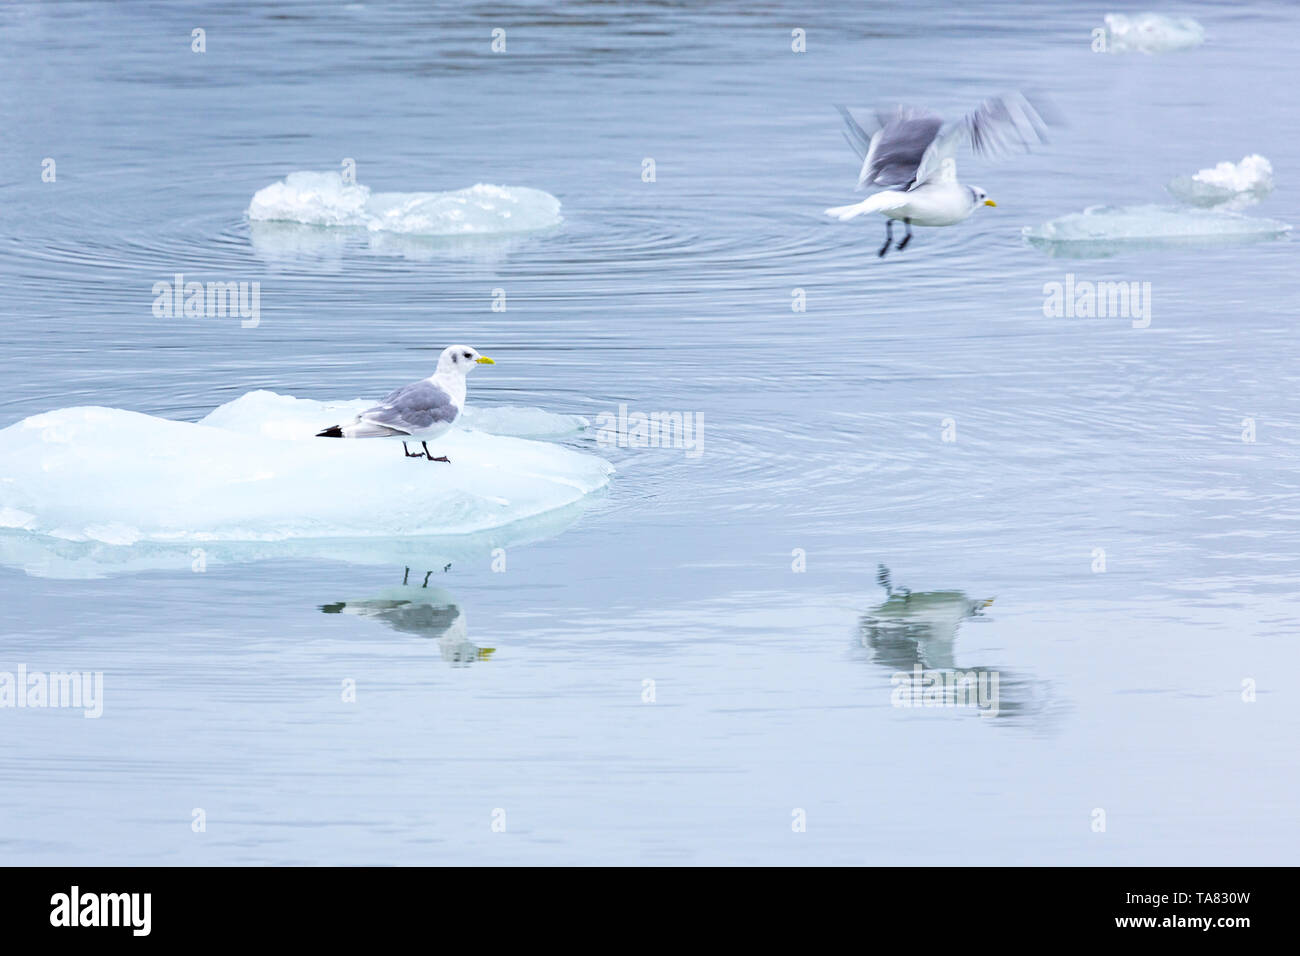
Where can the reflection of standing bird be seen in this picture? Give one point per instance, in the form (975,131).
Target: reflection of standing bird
(424,611)
(423,409)
(910,149)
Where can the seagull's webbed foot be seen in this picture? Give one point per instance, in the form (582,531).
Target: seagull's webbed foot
(907,238)
(889,237)
(428,454)
(413,454)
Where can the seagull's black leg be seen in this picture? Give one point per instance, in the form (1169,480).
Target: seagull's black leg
(426,579)
(907,238)
(406,575)
(889,236)
(410,454)
(428,454)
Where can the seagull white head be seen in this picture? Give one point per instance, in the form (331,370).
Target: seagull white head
(459,359)
(981,197)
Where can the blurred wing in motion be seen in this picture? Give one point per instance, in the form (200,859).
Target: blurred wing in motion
(891,154)
(909,147)
(1005,124)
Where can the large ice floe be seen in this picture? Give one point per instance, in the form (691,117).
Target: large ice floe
(1151,33)
(115,488)
(326,199)
(1227,185)
(1101,231)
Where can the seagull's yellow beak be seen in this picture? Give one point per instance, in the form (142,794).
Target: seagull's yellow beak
(989,202)
(484,360)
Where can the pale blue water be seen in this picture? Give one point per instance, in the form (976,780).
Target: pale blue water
(1120,690)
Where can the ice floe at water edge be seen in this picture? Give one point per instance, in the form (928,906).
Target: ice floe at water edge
(1107,230)
(326,199)
(252,471)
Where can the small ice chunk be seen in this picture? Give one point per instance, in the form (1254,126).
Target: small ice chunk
(1106,230)
(251,471)
(1151,33)
(1253,172)
(1235,184)
(325,199)
(320,199)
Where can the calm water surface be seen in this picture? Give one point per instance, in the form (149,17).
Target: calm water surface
(519,695)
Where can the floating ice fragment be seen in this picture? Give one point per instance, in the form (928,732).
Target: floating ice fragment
(320,199)
(252,472)
(1232,184)
(325,199)
(1151,33)
(1106,230)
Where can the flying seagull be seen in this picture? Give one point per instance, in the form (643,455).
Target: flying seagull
(423,409)
(911,152)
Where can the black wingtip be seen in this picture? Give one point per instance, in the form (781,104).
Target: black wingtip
(334,431)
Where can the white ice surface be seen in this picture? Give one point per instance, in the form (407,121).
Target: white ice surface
(521,421)
(1104,230)
(1151,33)
(1232,185)
(41,555)
(324,199)
(252,471)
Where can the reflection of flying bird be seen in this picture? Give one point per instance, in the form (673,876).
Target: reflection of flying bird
(913,630)
(424,611)
(910,151)
(423,409)
(917,627)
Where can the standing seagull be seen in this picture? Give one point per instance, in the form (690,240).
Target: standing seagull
(423,409)
(910,148)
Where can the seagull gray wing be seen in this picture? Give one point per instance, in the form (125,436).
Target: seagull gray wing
(998,126)
(413,408)
(891,154)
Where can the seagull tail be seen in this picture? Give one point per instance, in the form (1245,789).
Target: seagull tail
(878,202)
(362,429)
(845,213)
